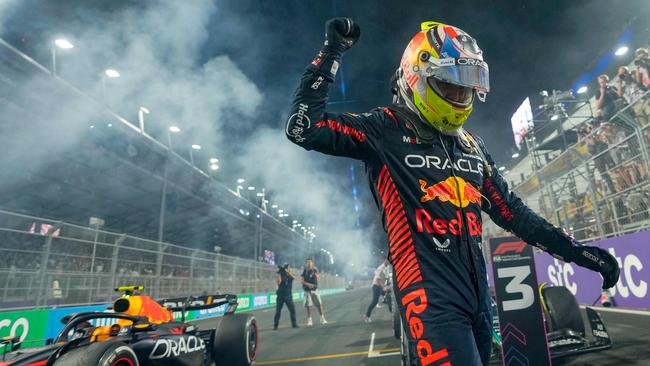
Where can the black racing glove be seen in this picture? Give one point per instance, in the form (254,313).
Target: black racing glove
(598,260)
(340,35)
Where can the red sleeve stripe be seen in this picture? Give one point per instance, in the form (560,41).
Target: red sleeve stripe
(391,210)
(383,178)
(400,242)
(389,196)
(402,250)
(412,277)
(403,244)
(406,265)
(395,218)
(409,277)
(395,227)
(399,233)
(390,114)
(498,200)
(405,257)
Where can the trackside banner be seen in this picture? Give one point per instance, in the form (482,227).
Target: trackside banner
(34,326)
(633,255)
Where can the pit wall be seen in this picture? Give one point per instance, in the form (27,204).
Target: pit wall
(34,326)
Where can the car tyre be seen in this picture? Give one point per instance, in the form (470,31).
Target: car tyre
(563,309)
(108,353)
(235,340)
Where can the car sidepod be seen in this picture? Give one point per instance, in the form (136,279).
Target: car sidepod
(171,350)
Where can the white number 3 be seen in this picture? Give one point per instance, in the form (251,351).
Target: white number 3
(515,286)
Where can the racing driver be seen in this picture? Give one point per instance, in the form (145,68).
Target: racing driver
(431,179)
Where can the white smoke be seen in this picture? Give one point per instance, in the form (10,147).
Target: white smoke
(303,186)
(6,10)
(159,50)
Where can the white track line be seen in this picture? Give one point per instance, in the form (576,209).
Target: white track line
(372,343)
(621,311)
(378,354)
(373,354)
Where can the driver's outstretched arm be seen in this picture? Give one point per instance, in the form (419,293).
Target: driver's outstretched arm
(310,125)
(509,211)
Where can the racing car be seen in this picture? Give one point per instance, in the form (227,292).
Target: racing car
(565,329)
(142,331)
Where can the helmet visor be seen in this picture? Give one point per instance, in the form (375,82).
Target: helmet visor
(458,95)
(471,73)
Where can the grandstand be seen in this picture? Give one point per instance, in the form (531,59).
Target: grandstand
(585,173)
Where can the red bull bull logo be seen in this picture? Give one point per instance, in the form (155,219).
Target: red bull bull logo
(454,190)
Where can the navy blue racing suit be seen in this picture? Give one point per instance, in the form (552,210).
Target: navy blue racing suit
(431,194)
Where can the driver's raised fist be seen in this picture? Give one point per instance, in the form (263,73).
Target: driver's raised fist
(341,34)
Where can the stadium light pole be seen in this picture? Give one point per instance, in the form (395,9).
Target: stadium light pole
(141,112)
(194,147)
(163,192)
(59,43)
(111,73)
(170,130)
(214,166)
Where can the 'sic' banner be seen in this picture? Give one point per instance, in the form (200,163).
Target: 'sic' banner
(520,312)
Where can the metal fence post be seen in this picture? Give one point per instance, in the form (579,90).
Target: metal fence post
(92,259)
(216,270)
(594,201)
(41,299)
(192,267)
(116,255)
(159,260)
(234,275)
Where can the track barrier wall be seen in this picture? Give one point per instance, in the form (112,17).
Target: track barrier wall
(35,326)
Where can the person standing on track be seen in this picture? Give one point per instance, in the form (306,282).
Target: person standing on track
(380,286)
(312,296)
(431,179)
(284,279)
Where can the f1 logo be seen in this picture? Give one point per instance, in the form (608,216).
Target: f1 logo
(510,246)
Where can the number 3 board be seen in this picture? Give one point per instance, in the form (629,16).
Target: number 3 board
(520,312)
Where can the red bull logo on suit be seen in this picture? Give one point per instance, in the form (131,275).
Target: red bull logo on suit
(454,190)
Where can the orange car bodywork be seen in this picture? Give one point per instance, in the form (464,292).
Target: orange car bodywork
(138,305)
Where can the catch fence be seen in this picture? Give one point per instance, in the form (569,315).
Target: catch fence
(46,263)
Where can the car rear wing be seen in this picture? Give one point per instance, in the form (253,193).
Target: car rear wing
(200,302)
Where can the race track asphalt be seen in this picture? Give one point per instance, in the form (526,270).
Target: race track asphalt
(346,340)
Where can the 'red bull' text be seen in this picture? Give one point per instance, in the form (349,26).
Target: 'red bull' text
(427,224)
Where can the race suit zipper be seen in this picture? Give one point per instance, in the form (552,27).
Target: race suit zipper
(470,253)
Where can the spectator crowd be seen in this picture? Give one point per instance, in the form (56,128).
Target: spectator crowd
(621,108)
